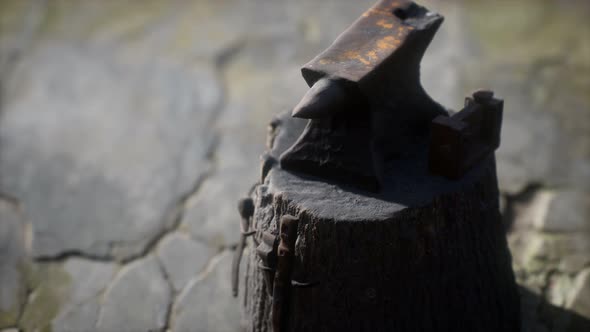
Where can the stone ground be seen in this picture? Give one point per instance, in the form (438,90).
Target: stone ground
(128,130)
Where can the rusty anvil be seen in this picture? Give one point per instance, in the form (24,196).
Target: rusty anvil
(366,105)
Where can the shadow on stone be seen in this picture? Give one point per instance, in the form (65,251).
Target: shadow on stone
(526,195)
(540,315)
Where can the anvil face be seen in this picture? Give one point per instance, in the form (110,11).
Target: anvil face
(377,60)
(373,39)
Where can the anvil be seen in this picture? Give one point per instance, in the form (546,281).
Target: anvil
(366,102)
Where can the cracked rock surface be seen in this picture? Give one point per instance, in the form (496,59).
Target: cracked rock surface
(88,282)
(182,258)
(100,171)
(139,296)
(128,132)
(197,307)
(13,238)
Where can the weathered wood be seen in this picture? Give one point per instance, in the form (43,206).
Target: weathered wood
(426,254)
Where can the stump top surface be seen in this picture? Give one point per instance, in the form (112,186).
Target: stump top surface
(407,184)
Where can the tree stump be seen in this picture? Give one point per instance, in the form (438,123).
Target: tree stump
(425,254)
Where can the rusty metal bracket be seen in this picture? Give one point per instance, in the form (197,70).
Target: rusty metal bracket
(267,252)
(459,142)
(282,282)
(276,253)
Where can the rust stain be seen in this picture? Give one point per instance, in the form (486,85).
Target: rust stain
(387,33)
(387,43)
(384,24)
(355,55)
(363,60)
(404,30)
(377,12)
(372,55)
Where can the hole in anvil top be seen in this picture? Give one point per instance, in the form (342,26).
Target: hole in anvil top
(400,13)
(411,11)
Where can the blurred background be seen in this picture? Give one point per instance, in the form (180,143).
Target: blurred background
(129,129)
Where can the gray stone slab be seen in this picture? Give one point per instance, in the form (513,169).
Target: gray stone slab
(138,299)
(87,280)
(563,251)
(13,234)
(19,21)
(182,258)
(569,211)
(81,318)
(212,215)
(538,72)
(101,151)
(579,299)
(525,154)
(50,287)
(207,304)
(532,212)
(559,287)
(550,231)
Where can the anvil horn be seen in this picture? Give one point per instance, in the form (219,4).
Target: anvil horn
(325,98)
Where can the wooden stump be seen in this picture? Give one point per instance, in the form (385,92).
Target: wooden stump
(427,254)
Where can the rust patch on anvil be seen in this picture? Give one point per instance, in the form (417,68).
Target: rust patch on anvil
(371,40)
